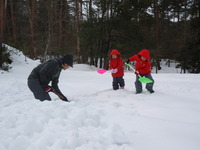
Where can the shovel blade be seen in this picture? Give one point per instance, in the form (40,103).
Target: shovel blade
(101,71)
(145,80)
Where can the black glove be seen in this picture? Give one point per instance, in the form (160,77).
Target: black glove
(128,61)
(64,99)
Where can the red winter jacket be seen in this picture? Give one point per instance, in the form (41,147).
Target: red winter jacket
(143,67)
(116,63)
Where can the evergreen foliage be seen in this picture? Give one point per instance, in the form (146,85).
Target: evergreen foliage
(5,58)
(91,29)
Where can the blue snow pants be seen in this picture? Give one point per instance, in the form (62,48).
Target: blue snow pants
(138,84)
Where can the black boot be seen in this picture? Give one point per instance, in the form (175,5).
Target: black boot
(151,91)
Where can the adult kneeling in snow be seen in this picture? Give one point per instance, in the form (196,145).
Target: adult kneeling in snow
(48,72)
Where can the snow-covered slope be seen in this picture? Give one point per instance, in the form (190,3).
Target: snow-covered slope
(98,118)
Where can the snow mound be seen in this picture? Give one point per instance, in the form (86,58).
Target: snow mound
(18,57)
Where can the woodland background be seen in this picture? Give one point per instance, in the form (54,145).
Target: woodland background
(90,29)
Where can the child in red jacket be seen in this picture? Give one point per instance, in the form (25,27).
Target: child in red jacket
(117,70)
(142,67)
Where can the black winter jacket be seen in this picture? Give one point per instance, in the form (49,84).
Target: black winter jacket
(48,72)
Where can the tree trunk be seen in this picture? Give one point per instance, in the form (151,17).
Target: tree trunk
(60,25)
(59,11)
(50,24)
(156,35)
(13,21)
(2,21)
(77,11)
(32,13)
(185,30)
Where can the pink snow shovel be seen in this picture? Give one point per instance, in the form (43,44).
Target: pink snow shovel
(101,71)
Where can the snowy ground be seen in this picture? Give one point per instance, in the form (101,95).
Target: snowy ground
(98,118)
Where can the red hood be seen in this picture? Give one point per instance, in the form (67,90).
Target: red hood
(115,52)
(145,53)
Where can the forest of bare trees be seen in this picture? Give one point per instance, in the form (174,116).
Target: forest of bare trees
(90,29)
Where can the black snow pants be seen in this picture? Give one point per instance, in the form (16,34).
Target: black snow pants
(38,91)
(118,81)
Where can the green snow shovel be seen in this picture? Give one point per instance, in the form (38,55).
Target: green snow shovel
(141,79)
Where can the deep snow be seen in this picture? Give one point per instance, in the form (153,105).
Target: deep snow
(98,118)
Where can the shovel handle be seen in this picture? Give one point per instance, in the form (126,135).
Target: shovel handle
(59,95)
(132,68)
